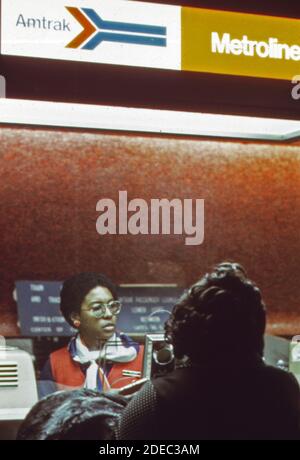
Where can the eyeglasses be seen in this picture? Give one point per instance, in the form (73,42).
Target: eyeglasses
(99,310)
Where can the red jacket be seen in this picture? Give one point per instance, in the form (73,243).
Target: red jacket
(68,374)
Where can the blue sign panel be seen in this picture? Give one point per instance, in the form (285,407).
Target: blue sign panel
(38,309)
(144,308)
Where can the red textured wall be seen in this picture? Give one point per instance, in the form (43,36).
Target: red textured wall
(50,182)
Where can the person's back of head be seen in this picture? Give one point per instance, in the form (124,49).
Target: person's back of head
(223,313)
(220,388)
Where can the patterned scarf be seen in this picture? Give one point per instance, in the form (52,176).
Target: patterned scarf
(97,364)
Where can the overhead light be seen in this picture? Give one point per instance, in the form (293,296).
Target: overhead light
(88,116)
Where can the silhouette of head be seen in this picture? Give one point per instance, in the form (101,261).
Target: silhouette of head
(222,315)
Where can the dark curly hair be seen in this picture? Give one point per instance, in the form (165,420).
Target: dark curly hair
(221,315)
(75,289)
(71,415)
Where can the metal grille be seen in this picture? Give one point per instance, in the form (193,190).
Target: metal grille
(8,374)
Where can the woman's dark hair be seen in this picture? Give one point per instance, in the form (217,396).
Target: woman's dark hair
(68,415)
(222,315)
(75,289)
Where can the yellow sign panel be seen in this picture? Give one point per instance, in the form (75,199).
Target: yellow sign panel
(240,44)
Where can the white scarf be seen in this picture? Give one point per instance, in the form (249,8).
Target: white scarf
(112,350)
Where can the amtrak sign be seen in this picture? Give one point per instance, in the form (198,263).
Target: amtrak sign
(152,35)
(101,31)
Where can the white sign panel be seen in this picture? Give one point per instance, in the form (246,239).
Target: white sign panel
(102,31)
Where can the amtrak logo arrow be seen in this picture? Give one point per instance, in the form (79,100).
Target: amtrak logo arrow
(98,30)
(88,28)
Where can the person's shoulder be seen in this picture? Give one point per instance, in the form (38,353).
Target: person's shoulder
(281,376)
(171,380)
(276,371)
(61,351)
(129,342)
